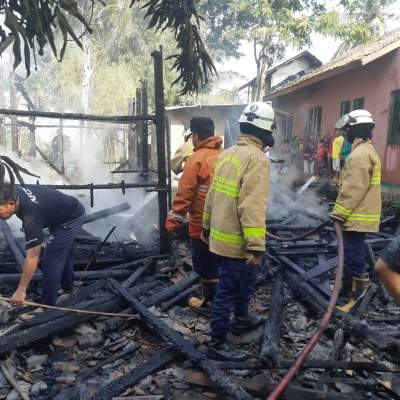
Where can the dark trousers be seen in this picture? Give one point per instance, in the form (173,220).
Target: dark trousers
(235,286)
(354,252)
(204,262)
(58,262)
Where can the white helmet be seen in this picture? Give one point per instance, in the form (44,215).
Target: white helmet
(259,114)
(355,117)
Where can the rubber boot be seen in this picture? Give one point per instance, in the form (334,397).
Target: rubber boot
(206,294)
(221,350)
(245,324)
(359,285)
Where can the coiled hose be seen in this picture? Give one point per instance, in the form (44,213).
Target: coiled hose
(324,322)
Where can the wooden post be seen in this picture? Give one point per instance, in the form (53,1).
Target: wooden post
(61,148)
(139,127)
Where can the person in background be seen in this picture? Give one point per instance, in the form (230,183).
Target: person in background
(190,197)
(329,152)
(234,225)
(344,152)
(294,150)
(336,147)
(308,155)
(388,268)
(320,158)
(183,152)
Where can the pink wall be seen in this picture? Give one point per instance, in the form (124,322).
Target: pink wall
(374,82)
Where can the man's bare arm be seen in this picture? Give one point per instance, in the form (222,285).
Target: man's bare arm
(30,265)
(389,278)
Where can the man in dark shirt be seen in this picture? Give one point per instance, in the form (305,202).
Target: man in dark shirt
(388,268)
(40,207)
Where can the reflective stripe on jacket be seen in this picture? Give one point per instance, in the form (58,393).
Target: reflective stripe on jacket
(193,187)
(359,201)
(235,208)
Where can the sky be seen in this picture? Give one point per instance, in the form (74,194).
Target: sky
(323,48)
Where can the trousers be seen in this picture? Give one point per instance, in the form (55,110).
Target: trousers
(58,260)
(354,252)
(235,287)
(204,262)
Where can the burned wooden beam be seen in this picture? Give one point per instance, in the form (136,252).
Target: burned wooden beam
(269,351)
(183,346)
(30,335)
(306,293)
(8,236)
(282,364)
(262,386)
(171,291)
(119,385)
(83,275)
(106,212)
(181,296)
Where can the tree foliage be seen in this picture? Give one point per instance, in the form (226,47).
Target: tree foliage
(31,25)
(273,26)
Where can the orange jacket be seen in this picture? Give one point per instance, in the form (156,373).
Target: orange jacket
(193,187)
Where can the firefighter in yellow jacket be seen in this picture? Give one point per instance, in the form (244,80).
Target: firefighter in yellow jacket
(358,205)
(234,225)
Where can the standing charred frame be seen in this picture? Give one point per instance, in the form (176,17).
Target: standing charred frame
(160,121)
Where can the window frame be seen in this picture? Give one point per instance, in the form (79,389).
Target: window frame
(345,107)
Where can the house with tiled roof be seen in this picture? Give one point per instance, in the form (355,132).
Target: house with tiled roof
(365,77)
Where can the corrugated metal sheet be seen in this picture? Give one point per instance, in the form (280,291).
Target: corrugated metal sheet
(391,165)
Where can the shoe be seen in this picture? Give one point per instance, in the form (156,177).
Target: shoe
(246,324)
(222,350)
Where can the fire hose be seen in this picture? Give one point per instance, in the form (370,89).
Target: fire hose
(300,237)
(280,388)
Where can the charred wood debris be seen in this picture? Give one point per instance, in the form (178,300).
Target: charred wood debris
(161,353)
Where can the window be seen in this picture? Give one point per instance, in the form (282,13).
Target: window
(344,107)
(358,103)
(313,123)
(287,129)
(394,122)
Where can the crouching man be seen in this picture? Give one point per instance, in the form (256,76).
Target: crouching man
(234,225)
(40,207)
(388,268)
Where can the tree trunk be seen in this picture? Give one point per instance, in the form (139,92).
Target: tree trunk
(2,105)
(13,118)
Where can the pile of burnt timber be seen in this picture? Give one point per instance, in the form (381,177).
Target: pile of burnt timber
(160,353)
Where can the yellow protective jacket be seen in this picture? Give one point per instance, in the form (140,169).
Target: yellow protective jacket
(235,208)
(359,202)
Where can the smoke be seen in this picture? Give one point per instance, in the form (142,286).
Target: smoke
(82,167)
(284,201)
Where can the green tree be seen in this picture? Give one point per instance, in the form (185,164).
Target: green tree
(32,25)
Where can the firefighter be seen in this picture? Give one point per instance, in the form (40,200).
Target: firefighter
(40,207)
(388,268)
(358,205)
(183,152)
(190,197)
(234,225)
